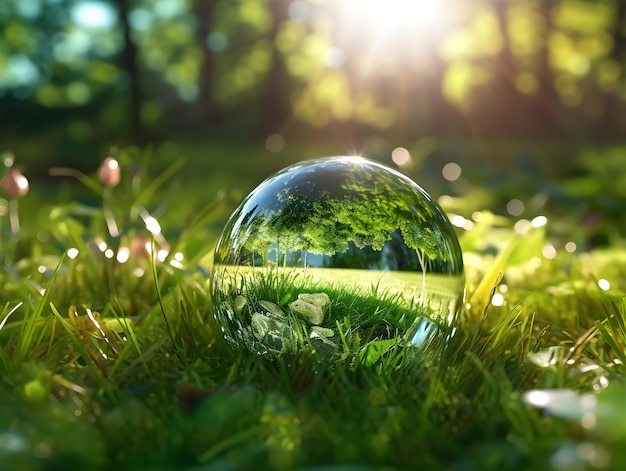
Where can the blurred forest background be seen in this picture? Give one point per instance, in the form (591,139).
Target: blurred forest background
(513,83)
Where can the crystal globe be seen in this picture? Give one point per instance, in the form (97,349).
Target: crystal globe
(334,248)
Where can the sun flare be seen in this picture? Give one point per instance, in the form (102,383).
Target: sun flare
(424,18)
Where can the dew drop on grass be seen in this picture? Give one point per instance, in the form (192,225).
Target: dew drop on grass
(343,244)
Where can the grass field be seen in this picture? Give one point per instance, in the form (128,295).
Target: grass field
(109,358)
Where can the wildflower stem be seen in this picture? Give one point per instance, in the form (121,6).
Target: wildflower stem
(14,218)
(108,214)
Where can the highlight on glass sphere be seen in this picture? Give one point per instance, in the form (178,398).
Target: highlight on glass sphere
(334,248)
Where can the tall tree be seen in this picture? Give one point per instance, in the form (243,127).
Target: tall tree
(129,63)
(546,100)
(276,106)
(206,105)
(614,123)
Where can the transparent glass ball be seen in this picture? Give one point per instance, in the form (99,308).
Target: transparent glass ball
(333,248)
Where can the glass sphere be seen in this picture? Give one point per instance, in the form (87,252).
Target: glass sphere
(328,249)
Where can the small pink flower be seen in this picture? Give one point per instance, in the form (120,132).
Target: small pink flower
(15,184)
(109,172)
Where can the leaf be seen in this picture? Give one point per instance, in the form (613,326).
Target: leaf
(374,350)
(481,297)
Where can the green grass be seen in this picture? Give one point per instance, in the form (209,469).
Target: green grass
(362,320)
(117,364)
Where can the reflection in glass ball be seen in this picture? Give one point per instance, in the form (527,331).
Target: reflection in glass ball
(332,248)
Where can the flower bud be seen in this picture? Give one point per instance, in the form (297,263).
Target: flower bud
(14,183)
(109,172)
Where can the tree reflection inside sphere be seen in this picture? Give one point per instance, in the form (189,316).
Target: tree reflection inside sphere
(335,247)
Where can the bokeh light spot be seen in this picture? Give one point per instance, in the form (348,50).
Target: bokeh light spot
(298,11)
(604,284)
(78,93)
(539,221)
(497,299)
(401,156)
(123,254)
(548,251)
(94,14)
(451,171)
(217,41)
(335,57)
(515,207)
(522,226)
(141,19)
(8,160)
(29,8)
(275,143)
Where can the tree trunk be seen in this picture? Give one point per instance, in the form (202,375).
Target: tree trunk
(129,63)
(612,124)
(547,101)
(276,106)
(504,96)
(207,109)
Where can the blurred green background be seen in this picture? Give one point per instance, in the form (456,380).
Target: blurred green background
(523,98)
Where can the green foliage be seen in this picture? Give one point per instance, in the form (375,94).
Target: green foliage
(125,71)
(329,207)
